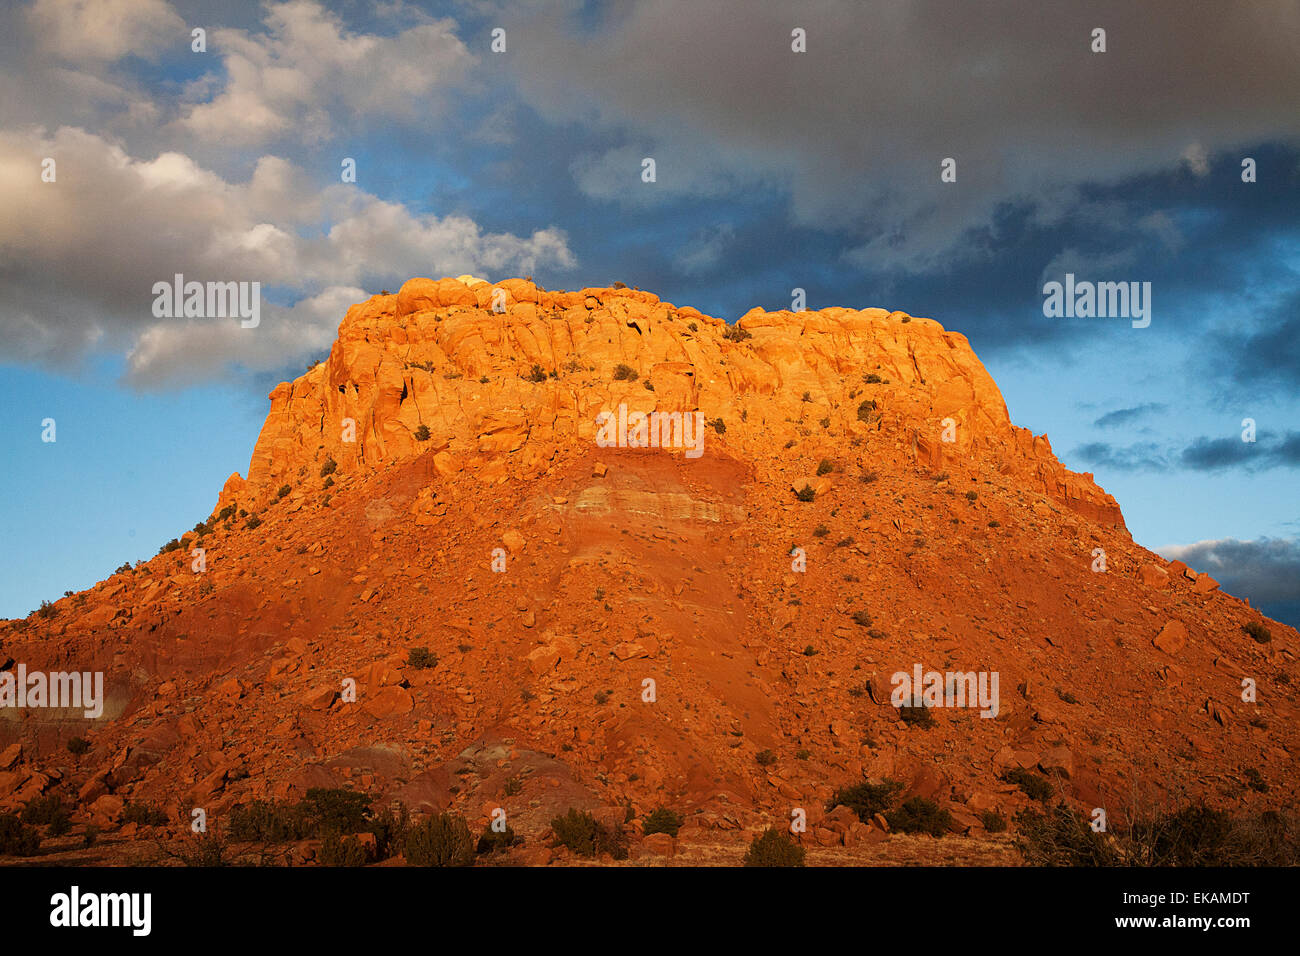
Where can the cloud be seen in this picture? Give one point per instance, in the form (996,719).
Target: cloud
(855,129)
(1266,571)
(181,352)
(306,74)
(79,256)
(1143,456)
(1124,416)
(1197,160)
(105,29)
(702,253)
(1267,451)
(1261,349)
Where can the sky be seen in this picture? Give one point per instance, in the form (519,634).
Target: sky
(795,145)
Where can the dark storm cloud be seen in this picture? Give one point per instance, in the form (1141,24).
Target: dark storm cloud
(1201,454)
(1267,451)
(1267,571)
(856,127)
(1140,457)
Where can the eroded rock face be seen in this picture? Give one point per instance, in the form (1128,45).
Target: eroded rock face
(450,365)
(475,605)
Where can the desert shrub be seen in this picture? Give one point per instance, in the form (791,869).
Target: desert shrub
(421,658)
(226,513)
(865,409)
(422,433)
(1033,785)
(765,758)
(339,850)
(17,839)
(284,490)
(78,746)
(47,811)
(919,815)
(972,495)
(493,841)
(868,477)
(862,618)
(1194,835)
(267,821)
(335,809)
(806,493)
(90,835)
(662,820)
(123,568)
(329,467)
(692,326)
(625,373)
(172,545)
(390,828)
(144,814)
(821,531)
(867,799)
(205,850)
(443,840)
(585,836)
(735,333)
(872,379)
(538,374)
(1260,633)
(993,821)
(1254,779)
(824,467)
(774,848)
(718,425)
(253,522)
(1060,836)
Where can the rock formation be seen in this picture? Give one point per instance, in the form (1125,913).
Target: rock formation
(534,621)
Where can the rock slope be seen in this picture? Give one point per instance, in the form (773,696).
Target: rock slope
(617,627)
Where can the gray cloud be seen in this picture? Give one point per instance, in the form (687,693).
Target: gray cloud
(305,72)
(1125,416)
(1267,571)
(80,255)
(856,128)
(1144,456)
(1267,451)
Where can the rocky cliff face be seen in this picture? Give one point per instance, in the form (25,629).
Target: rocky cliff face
(510,368)
(613,627)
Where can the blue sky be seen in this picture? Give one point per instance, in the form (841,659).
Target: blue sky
(775,170)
